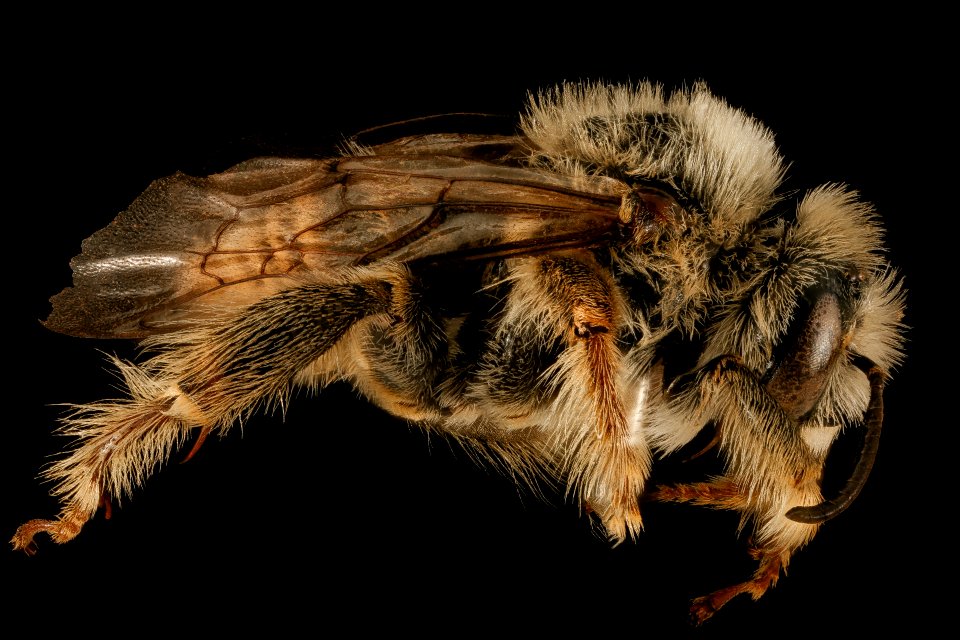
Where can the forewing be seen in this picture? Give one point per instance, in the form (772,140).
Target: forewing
(188,245)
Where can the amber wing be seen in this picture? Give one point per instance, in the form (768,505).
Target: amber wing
(188,246)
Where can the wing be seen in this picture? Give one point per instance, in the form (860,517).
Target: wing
(188,244)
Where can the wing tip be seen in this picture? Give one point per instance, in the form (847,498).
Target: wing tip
(72,314)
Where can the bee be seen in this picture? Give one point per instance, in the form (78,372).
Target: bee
(575,302)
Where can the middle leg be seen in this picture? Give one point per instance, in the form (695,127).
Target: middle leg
(605,456)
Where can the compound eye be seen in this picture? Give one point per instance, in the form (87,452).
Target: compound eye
(800,372)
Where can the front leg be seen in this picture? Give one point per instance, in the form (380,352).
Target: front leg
(207,377)
(770,469)
(766,575)
(722,493)
(773,551)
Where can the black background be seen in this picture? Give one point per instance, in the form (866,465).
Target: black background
(339,514)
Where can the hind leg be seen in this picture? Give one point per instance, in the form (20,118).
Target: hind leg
(206,377)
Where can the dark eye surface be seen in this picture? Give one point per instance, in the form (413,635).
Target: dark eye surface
(799,375)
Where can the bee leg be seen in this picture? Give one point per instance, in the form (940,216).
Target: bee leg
(205,376)
(721,493)
(610,462)
(61,530)
(766,575)
(402,357)
(769,469)
(204,432)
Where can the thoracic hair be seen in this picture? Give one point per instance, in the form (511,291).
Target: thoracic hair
(718,156)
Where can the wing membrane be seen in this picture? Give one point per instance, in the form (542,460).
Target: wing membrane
(189,244)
